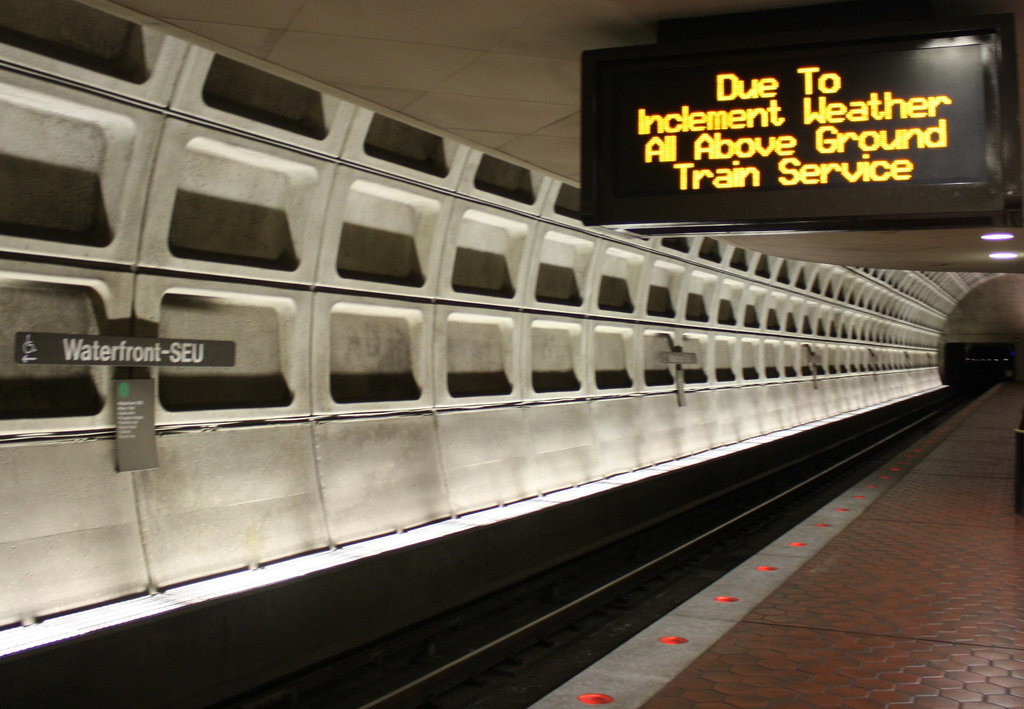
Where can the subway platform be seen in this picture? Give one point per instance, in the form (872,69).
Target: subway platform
(907,590)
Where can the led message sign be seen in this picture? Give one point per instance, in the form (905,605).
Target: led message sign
(861,134)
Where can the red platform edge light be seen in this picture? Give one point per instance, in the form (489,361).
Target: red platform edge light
(822,524)
(798,544)
(858,497)
(672,640)
(842,509)
(595,699)
(767,568)
(726,599)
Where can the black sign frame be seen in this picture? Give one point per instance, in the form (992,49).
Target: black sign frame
(993,201)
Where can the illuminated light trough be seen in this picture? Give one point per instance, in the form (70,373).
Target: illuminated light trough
(80,623)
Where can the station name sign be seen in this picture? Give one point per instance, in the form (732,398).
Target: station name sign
(92,350)
(906,127)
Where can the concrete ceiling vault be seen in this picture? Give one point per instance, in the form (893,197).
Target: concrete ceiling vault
(504,77)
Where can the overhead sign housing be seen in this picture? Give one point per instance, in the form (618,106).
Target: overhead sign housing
(914,127)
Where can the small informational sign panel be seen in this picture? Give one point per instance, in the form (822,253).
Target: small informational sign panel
(102,350)
(675,357)
(814,361)
(679,359)
(136,436)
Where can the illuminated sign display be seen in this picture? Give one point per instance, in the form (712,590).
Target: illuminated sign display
(864,133)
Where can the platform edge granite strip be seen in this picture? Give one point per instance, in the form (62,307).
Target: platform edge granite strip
(637,670)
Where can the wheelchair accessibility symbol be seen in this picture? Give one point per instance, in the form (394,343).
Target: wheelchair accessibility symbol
(28,350)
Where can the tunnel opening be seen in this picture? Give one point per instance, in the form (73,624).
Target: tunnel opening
(979,364)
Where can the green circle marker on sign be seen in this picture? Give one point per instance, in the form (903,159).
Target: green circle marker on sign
(124,389)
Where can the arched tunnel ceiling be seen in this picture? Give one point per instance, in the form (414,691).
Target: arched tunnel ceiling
(993,307)
(505,78)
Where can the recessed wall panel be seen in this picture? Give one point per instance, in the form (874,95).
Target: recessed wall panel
(67,300)
(476,357)
(486,258)
(751,368)
(221,89)
(370,354)
(70,40)
(270,329)
(725,360)
(407,151)
(657,371)
(561,273)
(493,179)
(618,281)
(555,357)
(382,236)
(664,290)
(504,179)
(613,357)
(223,205)
(561,203)
(73,171)
(700,297)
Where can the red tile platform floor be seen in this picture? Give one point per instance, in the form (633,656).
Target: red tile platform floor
(919,602)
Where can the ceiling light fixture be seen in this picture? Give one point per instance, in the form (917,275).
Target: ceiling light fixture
(1003,255)
(996,237)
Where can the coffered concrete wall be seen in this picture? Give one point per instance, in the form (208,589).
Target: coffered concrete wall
(422,329)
